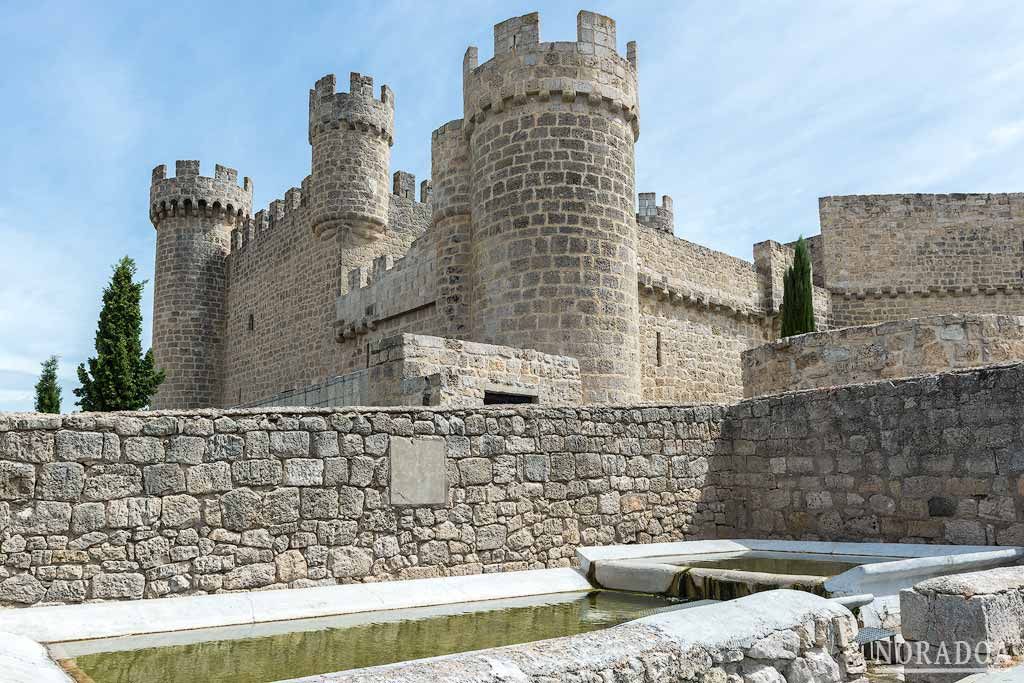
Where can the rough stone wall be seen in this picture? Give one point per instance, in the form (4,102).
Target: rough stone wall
(934,459)
(130,505)
(415,369)
(779,636)
(904,348)
(699,309)
(288,280)
(771,261)
(193,216)
(893,256)
(551,129)
(816,246)
(690,353)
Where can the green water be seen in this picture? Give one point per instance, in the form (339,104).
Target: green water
(419,633)
(775,565)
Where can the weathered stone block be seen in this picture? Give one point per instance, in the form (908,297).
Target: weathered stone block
(186,450)
(281,506)
(180,512)
(256,472)
(349,562)
(319,503)
(115,586)
(160,480)
(17,480)
(213,477)
(241,509)
(22,589)
(61,481)
(79,446)
(303,472)
(250,576)
(143,450)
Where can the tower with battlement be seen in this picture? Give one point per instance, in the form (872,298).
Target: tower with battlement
(551,129)
(193,216)
(351,135)
(527,257)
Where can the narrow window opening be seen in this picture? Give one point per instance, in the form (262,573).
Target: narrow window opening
(494,398)
(657,347)
(367,354)
(252,322)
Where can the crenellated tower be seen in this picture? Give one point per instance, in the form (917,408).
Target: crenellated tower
(452,223)
(551,129)
(351,135)
(193,216)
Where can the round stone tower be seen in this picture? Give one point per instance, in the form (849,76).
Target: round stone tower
(451,217)
(351,135)
(193,216)
(551,130)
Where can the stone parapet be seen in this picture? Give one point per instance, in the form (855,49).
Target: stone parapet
(189,193)
(904,348)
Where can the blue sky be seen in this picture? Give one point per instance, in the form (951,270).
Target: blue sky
(749,112)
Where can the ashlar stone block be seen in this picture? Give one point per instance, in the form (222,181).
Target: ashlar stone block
(418,471)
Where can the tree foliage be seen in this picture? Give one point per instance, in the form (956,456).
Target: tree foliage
(120,376)
(47,388)
(797,299)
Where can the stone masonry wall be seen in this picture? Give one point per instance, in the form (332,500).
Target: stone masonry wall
(131,505)
(903,348)
(934,459)
(282,289)
(900,256)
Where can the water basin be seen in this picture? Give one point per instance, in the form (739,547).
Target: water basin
(283,650)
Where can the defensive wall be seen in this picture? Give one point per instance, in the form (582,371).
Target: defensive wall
(902,256)
(902,348)
(126,505)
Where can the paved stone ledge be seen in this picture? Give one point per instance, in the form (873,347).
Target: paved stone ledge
(775,636)
(904,348)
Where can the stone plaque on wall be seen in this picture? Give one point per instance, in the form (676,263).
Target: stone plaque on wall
(418,473)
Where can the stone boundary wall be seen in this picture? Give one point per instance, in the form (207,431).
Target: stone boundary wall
(933,459)
(411,369)
(777,636)
(132,505)
(982,610)
(903,348)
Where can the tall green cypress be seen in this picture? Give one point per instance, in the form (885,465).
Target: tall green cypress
(47,389)
(797,294)
(120,377)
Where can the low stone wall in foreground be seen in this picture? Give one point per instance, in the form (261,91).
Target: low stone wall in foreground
(132,505)
(904,348)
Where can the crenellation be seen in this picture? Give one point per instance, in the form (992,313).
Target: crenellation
(528,234)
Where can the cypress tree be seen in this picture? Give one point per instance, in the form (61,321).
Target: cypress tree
(120,376)
(797,294)
(47,389)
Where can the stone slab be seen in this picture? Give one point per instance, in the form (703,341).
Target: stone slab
(418,472)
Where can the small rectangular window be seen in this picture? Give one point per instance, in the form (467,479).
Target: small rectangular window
(657,348)
(252,322)
(494,398)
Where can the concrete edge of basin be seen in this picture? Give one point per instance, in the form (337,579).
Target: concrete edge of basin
(62,623)
(23,660)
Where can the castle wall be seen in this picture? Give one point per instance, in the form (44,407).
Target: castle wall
(897,256)
(193,216)
(129,505)
(932,459)
(288,280)
(412,369)
(125,506)
(902,348)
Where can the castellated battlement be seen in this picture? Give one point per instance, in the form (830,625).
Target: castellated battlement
(586,74)
(652,215)
(189,193)
(355,109)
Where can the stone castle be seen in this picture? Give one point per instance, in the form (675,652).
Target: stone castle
(525,271)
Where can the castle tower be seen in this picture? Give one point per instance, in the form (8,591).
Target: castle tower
(551,130)
(351,135)
(451,218)
(193,216)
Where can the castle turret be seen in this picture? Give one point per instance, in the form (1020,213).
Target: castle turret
(193,216)
(450,188)
(551,130)
(351,135)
